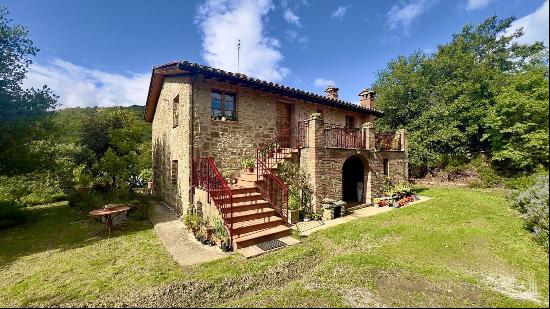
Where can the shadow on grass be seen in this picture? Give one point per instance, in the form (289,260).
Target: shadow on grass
(58,227)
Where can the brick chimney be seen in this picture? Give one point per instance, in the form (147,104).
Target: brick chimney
(332,92)
(367,98)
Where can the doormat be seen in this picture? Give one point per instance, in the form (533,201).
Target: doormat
(271,245)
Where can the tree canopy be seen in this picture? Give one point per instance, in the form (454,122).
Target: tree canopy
(451,101)
(22,111)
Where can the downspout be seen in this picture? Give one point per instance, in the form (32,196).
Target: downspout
(192,136)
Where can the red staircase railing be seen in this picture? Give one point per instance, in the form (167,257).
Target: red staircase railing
(207,177)
(343,137)
(268,156)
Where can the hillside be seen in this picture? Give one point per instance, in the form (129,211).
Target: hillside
(69,121)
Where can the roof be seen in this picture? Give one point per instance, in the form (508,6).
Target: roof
(186,68)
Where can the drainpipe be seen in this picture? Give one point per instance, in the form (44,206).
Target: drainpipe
(192,135)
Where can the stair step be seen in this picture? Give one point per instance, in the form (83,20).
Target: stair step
(248,226)
(242,190)
(252,214)
(256,237)
(243,197)
(247,205)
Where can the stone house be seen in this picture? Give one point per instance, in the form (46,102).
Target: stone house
(205,121)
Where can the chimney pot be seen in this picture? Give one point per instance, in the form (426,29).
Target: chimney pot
(332,92)
(367,98)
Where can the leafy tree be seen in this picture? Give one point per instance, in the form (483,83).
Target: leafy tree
(518,124)
(445,99)
(112,145)
(22,111)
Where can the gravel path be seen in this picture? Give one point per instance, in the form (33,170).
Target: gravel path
(181,244)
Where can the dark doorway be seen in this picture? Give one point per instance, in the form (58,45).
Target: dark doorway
(353,180)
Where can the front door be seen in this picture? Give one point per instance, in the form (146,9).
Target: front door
(283,122)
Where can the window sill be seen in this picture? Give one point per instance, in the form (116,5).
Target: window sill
(224,121)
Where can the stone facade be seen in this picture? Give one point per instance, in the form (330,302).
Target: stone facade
(260,117)
(172,143)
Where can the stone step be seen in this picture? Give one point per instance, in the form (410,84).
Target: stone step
(249,226)
(256,237)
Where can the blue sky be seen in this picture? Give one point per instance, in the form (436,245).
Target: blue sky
(101,52)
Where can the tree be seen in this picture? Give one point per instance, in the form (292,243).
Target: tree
(22,111)
(518,124)
(111,141)
(444,99)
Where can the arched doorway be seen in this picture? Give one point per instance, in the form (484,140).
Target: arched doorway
(353,181)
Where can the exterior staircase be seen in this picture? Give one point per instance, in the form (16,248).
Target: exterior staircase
(254,220)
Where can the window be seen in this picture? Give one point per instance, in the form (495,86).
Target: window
(223,106)
(175,111)
(386,167)
(350,122)
(174,176)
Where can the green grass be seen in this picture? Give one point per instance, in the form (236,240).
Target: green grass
(464,247)
(62,256)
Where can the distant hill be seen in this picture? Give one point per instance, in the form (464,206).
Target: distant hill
(69,121)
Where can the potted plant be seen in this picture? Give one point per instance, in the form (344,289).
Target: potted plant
(225,246)
(248,164)
(220,232)
(192,222)
(294,207)
(228,176)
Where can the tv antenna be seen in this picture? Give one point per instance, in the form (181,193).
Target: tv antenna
(238,55)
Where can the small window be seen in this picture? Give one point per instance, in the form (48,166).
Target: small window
(174,175)
(175,111)
(350,122)
(223,106)
(386,167)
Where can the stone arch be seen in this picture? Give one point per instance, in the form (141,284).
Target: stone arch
(356,179)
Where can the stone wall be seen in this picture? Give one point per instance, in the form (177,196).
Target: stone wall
(325,165)
(259,117)
(172,143)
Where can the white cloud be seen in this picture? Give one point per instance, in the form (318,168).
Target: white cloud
(323,83)
(80,86)
(292,18)
(403,14)
(223,22)
(340,12)
(535,26)
(477,4)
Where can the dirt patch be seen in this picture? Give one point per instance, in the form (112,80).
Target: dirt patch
(402,290)
(511,287)
(207,294)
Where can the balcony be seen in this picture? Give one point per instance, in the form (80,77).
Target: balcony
(389,141)
(343,137)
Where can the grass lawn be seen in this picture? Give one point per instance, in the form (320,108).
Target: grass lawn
(463,248)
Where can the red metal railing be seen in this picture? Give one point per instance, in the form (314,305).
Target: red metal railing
(268,157)
(207,177)
(343,137)
(272,189)
(388,141)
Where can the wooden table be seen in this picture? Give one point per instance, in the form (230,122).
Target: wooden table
(109,214)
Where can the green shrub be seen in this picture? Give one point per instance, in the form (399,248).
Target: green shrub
(533,205)
(11,214)
(192,222)
(31,189)
(487,175)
